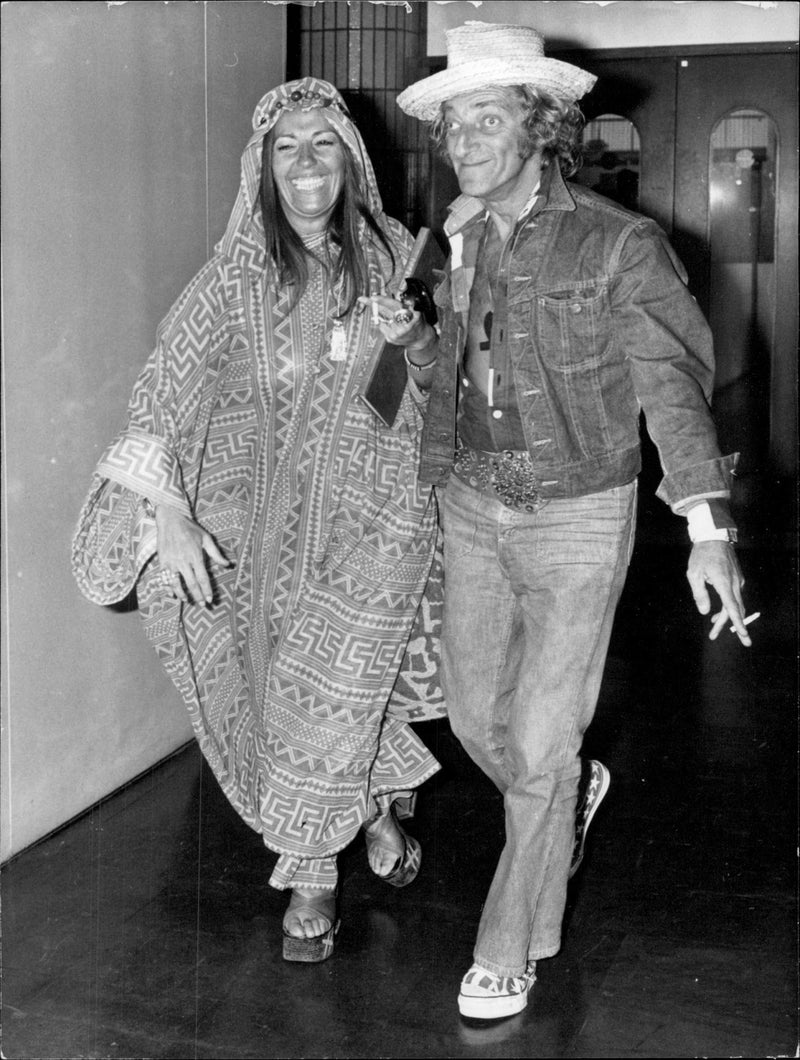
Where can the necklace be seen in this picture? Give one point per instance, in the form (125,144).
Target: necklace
(337,341)
(337,345)
(337,349)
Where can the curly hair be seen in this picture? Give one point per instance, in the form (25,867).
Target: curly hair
(550,125)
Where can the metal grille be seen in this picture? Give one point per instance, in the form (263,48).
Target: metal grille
(371,52)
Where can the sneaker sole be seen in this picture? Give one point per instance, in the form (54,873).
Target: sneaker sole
(605,784)
(491,1008)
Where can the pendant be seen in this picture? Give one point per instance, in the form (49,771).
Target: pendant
(338,347)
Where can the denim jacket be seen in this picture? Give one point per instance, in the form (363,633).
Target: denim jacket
(600,325)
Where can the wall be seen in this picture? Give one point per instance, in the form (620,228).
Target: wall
(122,130)
(626,24)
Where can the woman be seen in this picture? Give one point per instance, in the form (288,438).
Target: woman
(273,527)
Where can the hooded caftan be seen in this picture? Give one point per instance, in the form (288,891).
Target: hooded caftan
(301,675)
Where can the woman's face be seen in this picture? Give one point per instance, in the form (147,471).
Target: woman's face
(308,168)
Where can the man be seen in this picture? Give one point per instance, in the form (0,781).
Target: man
(562,315)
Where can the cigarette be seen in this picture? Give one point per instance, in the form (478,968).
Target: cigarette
(376,313)
(748,620)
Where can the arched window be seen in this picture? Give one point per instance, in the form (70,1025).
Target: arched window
(611,154)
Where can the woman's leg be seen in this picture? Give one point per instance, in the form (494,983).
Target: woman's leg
(309,924)
(392,854)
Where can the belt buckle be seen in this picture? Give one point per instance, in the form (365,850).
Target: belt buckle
(514,481)
(469,464)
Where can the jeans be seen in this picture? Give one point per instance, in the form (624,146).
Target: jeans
(529,606)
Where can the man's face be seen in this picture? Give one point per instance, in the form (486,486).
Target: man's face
(308,167)
(483,133)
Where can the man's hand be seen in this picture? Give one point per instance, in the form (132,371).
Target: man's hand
(714,563)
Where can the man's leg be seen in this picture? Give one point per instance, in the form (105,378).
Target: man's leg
(477,628)
(529,606)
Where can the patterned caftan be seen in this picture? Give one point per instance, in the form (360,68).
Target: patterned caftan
(243,419)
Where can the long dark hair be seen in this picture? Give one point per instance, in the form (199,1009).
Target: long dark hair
(289,254)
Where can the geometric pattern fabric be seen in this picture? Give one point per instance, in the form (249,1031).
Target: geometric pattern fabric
(321,642)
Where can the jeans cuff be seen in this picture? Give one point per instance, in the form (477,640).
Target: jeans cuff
(515,972)
(503,970)
(544,952)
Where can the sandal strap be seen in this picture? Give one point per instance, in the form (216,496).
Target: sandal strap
(377,832)
(313,905)
(407,862)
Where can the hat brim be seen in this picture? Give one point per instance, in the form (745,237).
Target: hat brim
(424,98)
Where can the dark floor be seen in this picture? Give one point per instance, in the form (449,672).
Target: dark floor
(147,929)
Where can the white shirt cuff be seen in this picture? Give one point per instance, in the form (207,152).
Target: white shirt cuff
(701,525)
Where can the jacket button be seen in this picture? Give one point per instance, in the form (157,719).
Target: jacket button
(498,414)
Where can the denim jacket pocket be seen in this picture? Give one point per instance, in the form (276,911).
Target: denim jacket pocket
(573,326)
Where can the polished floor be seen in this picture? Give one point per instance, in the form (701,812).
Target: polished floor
(147,929)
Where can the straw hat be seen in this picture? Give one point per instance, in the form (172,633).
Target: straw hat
(481,54)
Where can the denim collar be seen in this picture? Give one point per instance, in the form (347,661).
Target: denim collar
(467,222)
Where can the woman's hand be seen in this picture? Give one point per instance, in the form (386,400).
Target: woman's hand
(182,549)
(399,325)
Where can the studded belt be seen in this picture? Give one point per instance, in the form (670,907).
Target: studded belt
(509,475)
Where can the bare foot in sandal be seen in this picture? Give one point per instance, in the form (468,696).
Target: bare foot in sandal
(310,926)
(310,913)
(392,855)
(385,844)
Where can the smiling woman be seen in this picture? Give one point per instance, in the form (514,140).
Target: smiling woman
(308,169)
(275,531)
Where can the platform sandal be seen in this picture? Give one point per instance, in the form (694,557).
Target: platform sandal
(406,867)
(318,947)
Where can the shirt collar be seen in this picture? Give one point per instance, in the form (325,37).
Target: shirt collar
(529,205)
(551,193)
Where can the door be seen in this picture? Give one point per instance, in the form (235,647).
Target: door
(736,231)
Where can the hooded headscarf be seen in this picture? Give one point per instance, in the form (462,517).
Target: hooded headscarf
(245,231)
